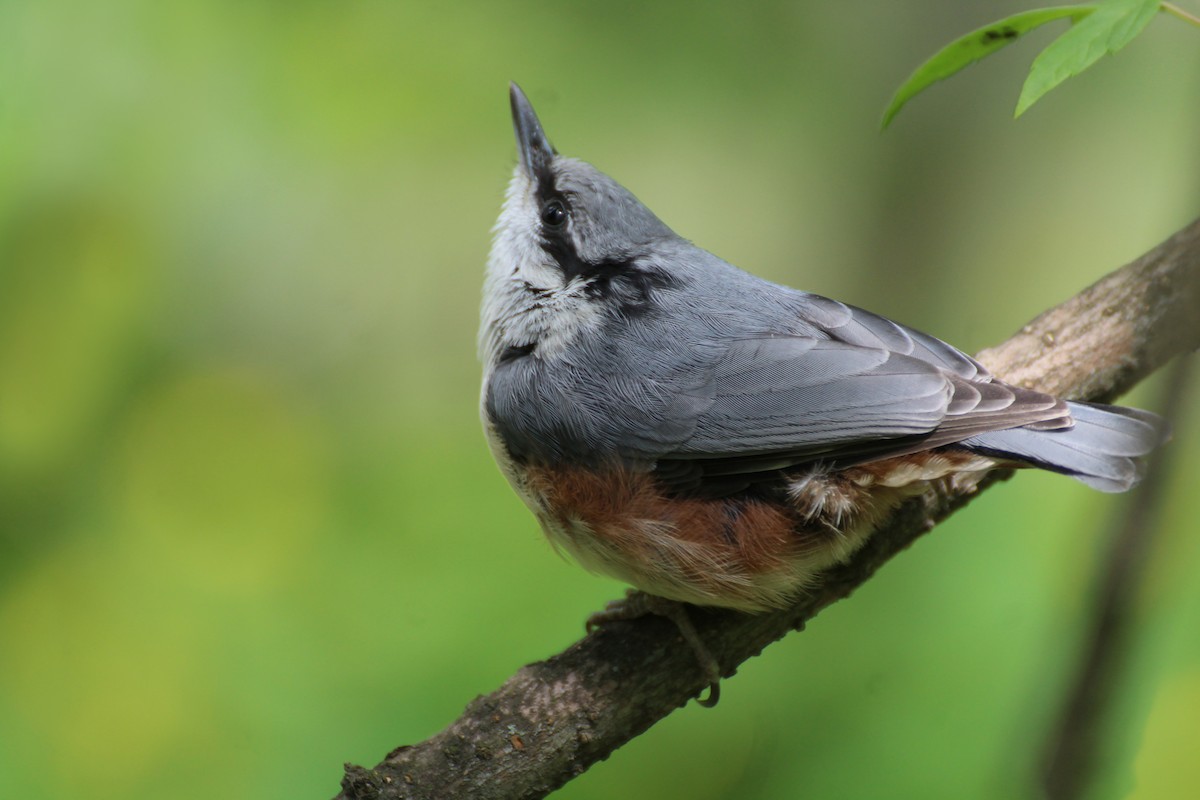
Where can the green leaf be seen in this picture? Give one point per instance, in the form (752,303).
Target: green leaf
(975,45)
(1112,25)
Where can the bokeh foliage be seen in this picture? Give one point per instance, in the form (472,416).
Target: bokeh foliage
(249,528)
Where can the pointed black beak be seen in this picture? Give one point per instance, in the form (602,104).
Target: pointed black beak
(533,148)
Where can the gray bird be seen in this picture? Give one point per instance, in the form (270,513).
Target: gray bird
(710,437)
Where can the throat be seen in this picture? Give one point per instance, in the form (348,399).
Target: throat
(526,318)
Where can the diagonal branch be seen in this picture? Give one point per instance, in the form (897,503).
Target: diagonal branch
(555,718)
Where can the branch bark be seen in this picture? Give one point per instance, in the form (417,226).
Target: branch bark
(555,718)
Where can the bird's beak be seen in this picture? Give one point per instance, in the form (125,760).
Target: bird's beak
(533,148)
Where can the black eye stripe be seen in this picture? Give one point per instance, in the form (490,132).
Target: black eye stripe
(560,247)
(554,239)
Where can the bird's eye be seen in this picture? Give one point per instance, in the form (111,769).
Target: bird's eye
(554,214)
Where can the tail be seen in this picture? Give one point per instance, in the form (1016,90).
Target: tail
(1103,449)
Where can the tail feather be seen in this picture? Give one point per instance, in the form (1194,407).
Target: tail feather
(1103,449)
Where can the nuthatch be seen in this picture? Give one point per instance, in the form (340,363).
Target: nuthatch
(713,438)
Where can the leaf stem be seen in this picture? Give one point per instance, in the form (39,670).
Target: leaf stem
(1171,8)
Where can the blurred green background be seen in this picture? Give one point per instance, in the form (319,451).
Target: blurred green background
(249,528)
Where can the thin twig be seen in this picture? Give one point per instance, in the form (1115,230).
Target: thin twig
(1186,16)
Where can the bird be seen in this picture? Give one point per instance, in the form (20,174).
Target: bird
(710,437)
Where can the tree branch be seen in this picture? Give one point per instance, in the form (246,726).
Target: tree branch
(555,718)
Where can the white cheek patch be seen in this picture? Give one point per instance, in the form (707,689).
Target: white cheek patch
(526,296)
(514,240)
(567,314)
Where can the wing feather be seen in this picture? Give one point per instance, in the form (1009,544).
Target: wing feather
(776,402)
